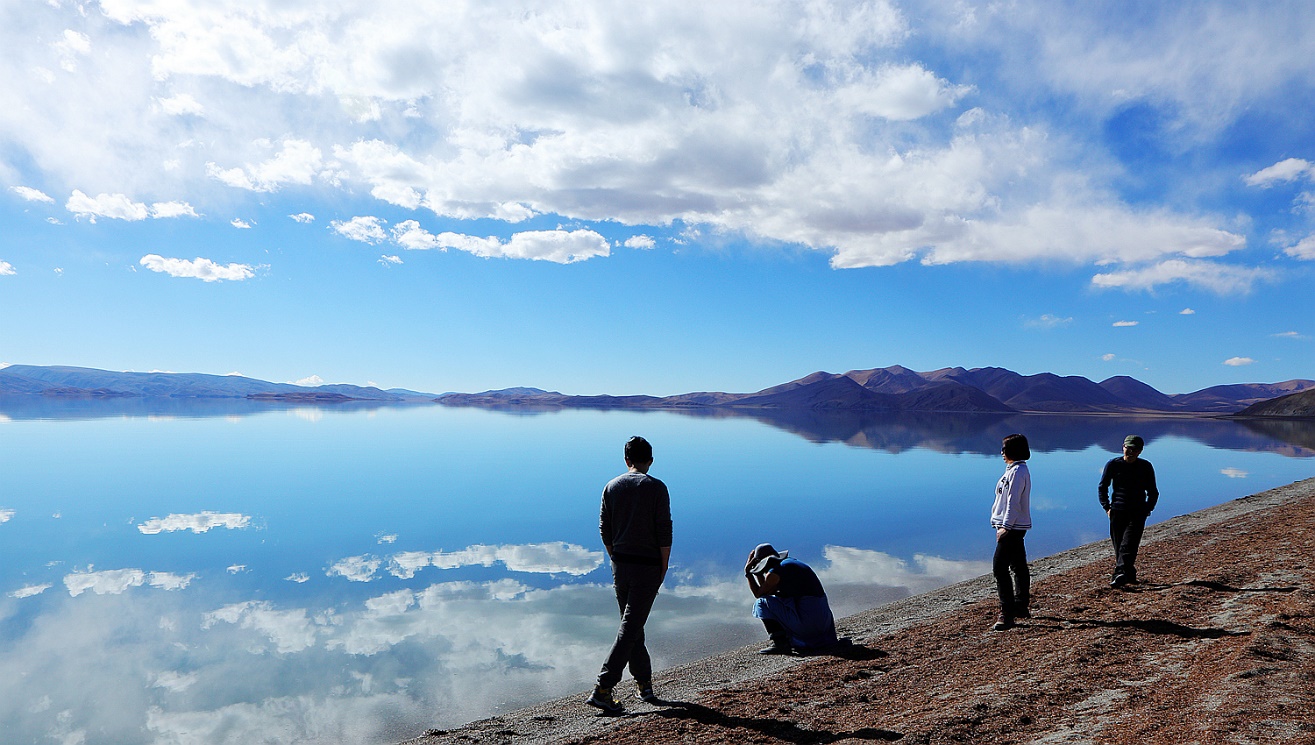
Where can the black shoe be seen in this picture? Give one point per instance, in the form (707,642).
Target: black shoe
(777,649)
(1022,611)
(1119,580)
(602,698)
(646,693)
(1003,623)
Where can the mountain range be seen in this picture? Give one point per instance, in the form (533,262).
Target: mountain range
(951,389)
(886,389)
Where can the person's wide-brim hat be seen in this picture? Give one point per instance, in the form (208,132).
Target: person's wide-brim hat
(765,553)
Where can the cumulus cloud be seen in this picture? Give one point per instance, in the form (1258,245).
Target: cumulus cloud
(1186,312)
(289,631)
(1303,249)
(172,209)
(118,581)
(642,242)
(303,217)
(310,380)
(1109,357)
(296,163)
(366,229)
(1284,171)
(199,522)
(198,268)
(389,260)
(540,558)
(7,269)
(182,104)
(1239,361)
(116,206)
(558,246)
(1222,279)
(240,224)
(355,568)
(32,195)
(28,591)
(1234,473)
(1124,324)
(6,514)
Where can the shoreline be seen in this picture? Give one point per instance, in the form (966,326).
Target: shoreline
(872,631)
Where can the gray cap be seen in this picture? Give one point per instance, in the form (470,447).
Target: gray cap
(1134,441)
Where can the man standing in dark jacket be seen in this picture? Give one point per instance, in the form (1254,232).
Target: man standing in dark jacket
(1134,496)
(635,524)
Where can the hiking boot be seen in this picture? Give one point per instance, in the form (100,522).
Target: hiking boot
(1119,580)
(1003,623)
(646,693)
(602,698)
(777,648)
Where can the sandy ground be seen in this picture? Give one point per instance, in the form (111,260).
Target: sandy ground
(1216,644)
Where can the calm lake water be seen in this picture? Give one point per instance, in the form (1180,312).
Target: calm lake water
(221,572)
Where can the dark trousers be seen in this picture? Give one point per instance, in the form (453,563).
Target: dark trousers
(1126,528)
(636,589)
(1009,565)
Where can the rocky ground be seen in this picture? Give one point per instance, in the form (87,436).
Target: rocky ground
(1215,645)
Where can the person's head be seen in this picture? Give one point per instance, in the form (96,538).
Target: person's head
(1132,446)
(1014,447)
(639,453)
(765,557)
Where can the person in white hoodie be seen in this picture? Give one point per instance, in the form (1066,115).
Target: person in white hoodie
(1011,517)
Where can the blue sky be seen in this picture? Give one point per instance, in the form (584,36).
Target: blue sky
(594,198)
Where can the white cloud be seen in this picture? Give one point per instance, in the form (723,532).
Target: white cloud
(161,210)
(387,260)
(1290,335)
(198,268)
(311,380)
(1186,312)
(117,581)
(32,195)
(1048,321)
(72,44)
(237,568)
(117,206)
(1123,324)
(1234,473)
(366,229)
(240,224)
(296,163)
(1283,171)
(642,242)
(182,104)
(539,558)
(355,568)
(28,591)
(387,538)
(200,522)
(1219,278)
(900,92)
(7,269)
(303,217)
(1304,249)
(1239,361)
(6,514)
(298,577)
(558,246)
(290,631)
(1109,357)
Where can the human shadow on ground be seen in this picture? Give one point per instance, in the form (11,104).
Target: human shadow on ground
(1221,587)
(1148,625)
(845,649)
(772,727)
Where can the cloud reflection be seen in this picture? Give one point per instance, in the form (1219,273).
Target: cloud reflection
(183,668)
(534,558)
(197,523)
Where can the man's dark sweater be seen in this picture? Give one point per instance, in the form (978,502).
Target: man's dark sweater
(635,518)
(1134,486)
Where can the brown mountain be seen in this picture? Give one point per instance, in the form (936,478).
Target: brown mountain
(1292,405)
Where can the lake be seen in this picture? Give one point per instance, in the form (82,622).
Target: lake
(229,572)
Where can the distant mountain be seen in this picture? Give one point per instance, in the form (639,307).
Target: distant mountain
(1292,405)
(896,388)
(86,382)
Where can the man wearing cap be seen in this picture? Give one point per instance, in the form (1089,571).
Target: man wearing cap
(790,602)
(1134,496)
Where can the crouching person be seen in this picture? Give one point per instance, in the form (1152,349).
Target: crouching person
(791,602)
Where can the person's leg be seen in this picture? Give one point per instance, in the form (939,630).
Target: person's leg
(635,594)
(1022,577)
(1118,532)
(1004,584)
(1131,543)
(776,617)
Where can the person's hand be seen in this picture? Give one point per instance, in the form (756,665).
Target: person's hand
(1000,533)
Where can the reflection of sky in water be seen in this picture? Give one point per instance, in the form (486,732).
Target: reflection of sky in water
(360,577)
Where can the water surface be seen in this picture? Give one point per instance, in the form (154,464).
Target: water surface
(226,572)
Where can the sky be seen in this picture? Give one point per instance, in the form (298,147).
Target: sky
(594,197)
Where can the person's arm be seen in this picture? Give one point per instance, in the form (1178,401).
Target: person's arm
(605,524)
(1106,476)
(1152,493)
(1011,492)
(666,557)
(764,584)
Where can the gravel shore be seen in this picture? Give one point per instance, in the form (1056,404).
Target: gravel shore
(1216,644)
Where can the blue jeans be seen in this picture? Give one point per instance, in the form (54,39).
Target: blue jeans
(636,589)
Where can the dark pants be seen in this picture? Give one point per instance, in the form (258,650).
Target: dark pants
(1126,528)
(636,589)
(1011,559)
